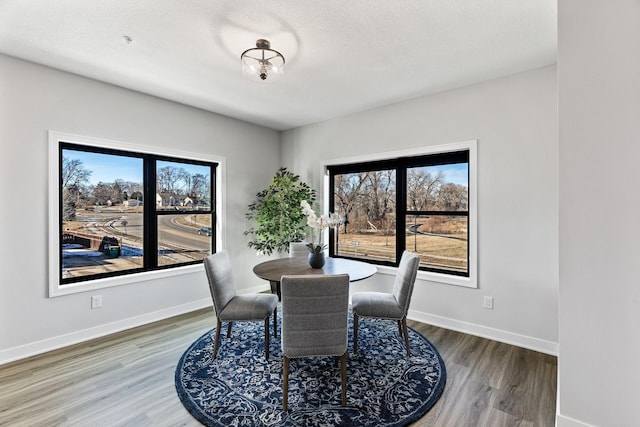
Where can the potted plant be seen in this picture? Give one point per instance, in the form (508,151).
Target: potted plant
(275,213)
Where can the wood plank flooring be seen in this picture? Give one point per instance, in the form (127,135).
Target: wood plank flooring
(126,379)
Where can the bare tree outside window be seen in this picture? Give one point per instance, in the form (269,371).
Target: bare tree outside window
(74,176)
(433,220)
(366,201)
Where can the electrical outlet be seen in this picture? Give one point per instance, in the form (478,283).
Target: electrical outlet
(96,301)
(488,303)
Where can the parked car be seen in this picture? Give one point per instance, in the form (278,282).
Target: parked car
(205,231)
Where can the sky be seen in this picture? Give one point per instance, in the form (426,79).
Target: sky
(107,168)
(457,173)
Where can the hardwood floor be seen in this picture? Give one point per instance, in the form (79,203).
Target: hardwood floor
(126,379)
(490,383)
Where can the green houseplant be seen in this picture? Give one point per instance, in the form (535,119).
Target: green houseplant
(275,214)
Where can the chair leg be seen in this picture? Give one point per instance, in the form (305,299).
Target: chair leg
(343,376)
(275,322)
(406,335)
(216,339)
(266,337)
(400,327)
(355,332)
(285,383)
(229,329)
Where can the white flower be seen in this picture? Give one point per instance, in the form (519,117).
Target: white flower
(323,221)
(318,223)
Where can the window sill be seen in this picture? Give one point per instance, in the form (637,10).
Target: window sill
(108,282)
(428,276)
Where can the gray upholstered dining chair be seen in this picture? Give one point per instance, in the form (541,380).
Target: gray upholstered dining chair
(230,307)
(314,322)
(394,305)
(298,249)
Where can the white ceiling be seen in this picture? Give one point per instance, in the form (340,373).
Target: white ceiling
(342,56)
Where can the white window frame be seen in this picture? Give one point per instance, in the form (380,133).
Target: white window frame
(55,287)
(472,147)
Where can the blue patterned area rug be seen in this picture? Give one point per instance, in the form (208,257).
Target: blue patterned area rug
(241,388)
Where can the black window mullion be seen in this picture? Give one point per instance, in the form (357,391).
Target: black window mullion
(437,159)
(60,210)
(212,208)
(401,209)
(438,213)
(332,237)
(150,218)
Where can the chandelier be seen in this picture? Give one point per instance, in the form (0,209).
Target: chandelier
(261,63)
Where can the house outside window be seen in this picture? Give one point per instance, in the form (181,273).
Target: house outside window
(420,201)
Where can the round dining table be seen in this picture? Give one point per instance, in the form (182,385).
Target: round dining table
(274,269)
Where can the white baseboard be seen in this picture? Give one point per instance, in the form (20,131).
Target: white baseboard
(562,421)
(531,343)
(54,343)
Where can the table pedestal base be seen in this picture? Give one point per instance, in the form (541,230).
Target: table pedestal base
(275,289)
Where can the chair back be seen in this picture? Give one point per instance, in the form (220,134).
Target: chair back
(298,249)
(405,279)
(221,282)
(314,315)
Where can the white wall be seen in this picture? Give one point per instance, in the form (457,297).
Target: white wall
(599,110)
(514,120)
(35,99)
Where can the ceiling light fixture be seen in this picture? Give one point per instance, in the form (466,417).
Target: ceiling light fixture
(261,63)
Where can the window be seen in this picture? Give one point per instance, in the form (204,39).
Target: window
(121,212)
(419,201)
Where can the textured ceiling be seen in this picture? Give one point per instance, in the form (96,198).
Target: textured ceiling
(343,56)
